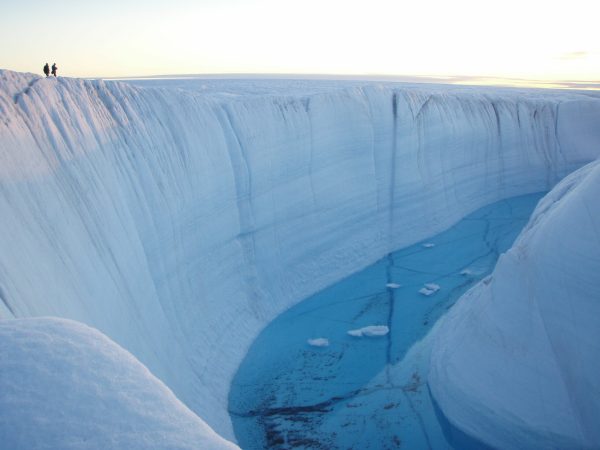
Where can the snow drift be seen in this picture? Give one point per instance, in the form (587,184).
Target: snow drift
(180,223)
(531,331)
(65,386)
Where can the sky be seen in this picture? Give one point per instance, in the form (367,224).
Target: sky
(545,41)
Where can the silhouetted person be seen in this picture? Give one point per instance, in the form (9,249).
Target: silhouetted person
(47,69)
(54,69)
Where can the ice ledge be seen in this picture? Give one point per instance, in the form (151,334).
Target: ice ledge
(515,364)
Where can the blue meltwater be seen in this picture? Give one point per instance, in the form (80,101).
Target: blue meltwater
(347,368)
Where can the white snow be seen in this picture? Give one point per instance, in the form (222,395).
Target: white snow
(393,285)
(516,361)
(64,385)
(370,331)
(319,342)
(179,223)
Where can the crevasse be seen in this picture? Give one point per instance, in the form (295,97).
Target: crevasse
(179,224)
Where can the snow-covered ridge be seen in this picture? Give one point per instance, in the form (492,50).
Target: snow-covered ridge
(64,385)
(531,331)
(179,224)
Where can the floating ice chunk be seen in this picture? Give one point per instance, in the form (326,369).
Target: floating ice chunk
(393,285)
(375,330)
(319,342)
(370,331)
(466,272)
(429,245)
(429,289)
(432,286)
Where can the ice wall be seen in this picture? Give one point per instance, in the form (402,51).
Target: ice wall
(531,331)
(179,224)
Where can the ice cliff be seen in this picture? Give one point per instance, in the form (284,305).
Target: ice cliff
(179,223)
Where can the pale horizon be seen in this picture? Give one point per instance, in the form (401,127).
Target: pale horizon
(417,79)
(528,43)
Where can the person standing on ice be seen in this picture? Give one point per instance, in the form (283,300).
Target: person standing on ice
(54,69)
(47,69)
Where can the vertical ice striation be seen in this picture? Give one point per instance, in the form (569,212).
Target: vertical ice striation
(179,224)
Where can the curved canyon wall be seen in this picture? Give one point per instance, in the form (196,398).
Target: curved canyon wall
(515,363)
(179,224)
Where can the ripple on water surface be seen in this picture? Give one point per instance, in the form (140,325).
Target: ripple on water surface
(308,383)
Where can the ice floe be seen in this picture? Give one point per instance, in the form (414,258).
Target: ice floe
(370,331)
(429,289)
(318,342)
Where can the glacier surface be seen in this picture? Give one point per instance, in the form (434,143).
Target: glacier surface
(179,222)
